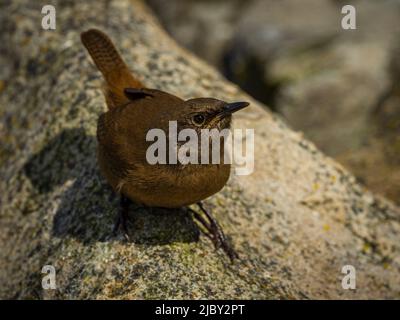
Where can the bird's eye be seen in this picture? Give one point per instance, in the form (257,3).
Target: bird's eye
(199,119)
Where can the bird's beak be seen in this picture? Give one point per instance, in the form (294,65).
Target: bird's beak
(233,107)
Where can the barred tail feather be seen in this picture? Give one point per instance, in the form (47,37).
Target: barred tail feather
(107,59)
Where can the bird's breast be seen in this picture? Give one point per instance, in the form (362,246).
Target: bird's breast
(161,186)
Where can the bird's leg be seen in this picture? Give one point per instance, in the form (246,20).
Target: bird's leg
(122,217)
(206,225)
(219,234)
(216,232)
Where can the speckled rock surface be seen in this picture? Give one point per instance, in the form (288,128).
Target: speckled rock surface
(295,222)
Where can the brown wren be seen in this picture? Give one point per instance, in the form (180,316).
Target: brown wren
(133,110)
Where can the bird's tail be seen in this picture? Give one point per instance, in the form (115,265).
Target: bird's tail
(107,59)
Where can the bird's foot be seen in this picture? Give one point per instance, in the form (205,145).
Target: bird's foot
(215,232)
(122,218)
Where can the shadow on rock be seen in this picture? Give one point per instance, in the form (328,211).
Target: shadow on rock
(88,207)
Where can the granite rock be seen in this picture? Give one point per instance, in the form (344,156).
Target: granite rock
(295,222)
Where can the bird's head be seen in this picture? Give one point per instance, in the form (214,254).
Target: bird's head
(199,113)
(208,113)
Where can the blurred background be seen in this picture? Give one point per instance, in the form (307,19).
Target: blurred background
(340,87)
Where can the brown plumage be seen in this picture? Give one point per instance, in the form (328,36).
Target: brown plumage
(115,72)
(133,111)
